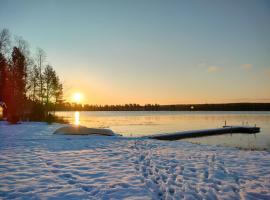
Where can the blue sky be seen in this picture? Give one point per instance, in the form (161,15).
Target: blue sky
(135,51)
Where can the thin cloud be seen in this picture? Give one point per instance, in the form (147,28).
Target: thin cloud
(213,69)
(246,66)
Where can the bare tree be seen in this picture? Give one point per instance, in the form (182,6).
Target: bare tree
(40,61)
(49,81)
(33,81)
(4,45)
(4,41)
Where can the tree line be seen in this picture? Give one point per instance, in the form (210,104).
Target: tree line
(29,86)
(156,107)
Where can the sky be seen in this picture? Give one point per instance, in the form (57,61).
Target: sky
(150,51)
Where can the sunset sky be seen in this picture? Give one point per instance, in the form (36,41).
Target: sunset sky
(143,51)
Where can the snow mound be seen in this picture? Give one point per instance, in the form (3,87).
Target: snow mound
(37,164)
(81,130)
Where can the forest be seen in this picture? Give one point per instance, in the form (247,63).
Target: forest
(29,86)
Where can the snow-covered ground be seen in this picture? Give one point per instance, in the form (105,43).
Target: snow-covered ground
(35,164)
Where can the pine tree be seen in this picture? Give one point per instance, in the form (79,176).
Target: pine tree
(17,84)
(3,76)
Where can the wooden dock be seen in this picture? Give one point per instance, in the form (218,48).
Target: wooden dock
(206,132)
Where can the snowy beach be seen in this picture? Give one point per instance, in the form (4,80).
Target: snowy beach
(35,164)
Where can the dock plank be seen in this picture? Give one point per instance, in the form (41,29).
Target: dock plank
(206,132)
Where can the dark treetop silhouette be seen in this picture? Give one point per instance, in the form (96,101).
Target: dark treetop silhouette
(28,87)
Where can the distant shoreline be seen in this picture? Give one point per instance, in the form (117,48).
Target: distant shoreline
(174,107)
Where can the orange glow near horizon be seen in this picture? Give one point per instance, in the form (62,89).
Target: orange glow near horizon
(77,97)
(108,97)
(105,92)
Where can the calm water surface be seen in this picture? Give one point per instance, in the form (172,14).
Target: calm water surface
(144,123)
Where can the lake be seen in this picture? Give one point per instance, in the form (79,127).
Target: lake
(141,123)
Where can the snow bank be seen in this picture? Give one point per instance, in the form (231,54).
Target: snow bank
(81,130)
(36,164)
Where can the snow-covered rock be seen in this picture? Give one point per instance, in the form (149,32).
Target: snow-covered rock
(81,130)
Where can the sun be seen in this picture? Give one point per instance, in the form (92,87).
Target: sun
(77,97)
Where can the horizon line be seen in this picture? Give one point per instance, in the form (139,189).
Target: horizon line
(167,104)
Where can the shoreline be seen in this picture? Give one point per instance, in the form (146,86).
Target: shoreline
(62,125)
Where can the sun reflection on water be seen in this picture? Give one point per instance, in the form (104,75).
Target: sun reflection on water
(77,118)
